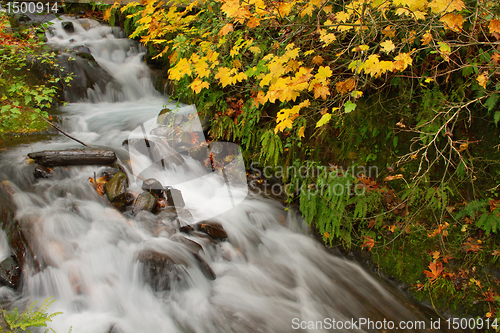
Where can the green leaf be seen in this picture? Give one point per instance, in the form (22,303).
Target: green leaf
(496,117)
(349,106)
(491,102)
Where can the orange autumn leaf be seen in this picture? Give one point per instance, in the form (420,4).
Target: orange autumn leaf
(300,134)
(318,60)
(494,26)
(470,247)
(321,91)
(453,21)
(495,253)
(482,79)
(346,86)
(195,139)
(369,243)
(495,58)
(226,29)
(436,268)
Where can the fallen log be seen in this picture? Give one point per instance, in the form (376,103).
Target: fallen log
(51,158)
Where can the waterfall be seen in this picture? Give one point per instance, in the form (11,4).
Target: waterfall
(270,275)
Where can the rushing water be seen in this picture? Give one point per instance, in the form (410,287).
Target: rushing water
(270,275)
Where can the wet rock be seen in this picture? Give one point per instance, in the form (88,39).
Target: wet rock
(214,229)
(68,26)
(200,153)
(116,186)
(205,267)
(87,24)
(160,271)
(182,142)
(16,234)
(86,55)
(87,74)
(42,172)
(108,173)
(122,201)
(145,201)
(163,116)
(10,272)
(174,197)
(191,245)
(163,131)
(152,186)
(146,147)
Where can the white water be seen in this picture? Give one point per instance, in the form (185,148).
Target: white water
(268,270)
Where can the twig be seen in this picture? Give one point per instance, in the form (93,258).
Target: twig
(60,130)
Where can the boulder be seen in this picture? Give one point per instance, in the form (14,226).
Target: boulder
(10,272)
(42,172)
(145,201)
(152,186)
(68,27)
(214,229)
(116,186)
(160,271)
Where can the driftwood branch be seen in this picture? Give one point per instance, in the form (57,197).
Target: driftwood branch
(51,158)
(61,131)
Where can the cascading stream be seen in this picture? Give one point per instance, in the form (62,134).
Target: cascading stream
(269,274)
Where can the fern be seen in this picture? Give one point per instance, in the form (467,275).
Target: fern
(30,317)
(472,209)
(272,147)
(489,222)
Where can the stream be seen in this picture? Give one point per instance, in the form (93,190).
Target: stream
(269,274)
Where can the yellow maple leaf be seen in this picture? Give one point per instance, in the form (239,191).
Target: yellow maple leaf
(403,60)
(419,15)
(323,74)
(286,117)
(253,22)
(240,77)
(307,10)
(226,29)
(342,16)
(426,38)
(254,49)
(387,46)
(183,67)
(321,91)
(201,67)
(324,119)
(318,60)
(360,48)
(326,38)
(446,6)
(197,85)
(388,32)
(285,8)
(482,79)
(344,87)
(260,98)
(300,133)
(224,75)
(415,5)
(453,21)
(494,26)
